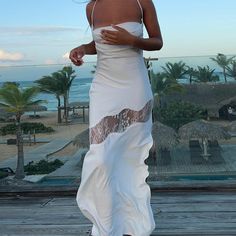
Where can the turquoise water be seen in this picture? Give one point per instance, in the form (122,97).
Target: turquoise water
(78,92)
(57,181)
(200,177)
(69,181)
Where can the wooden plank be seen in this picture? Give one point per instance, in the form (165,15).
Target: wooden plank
(46,230)
(176,213)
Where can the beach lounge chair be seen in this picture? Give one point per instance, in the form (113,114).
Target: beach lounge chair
(29,137)
(164,158)
(195,152)
(215,151)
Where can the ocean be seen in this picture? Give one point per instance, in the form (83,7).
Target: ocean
(26,75)
(79,92)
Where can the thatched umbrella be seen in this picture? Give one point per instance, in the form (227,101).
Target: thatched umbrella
(37,108)
(164,137)
(204,130)
(78,104)
(82,139)
(231,100)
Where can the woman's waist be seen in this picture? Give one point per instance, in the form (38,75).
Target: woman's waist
(122,71)
(124,63)
(117,51)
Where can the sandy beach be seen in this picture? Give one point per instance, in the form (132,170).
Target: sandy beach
(68,131)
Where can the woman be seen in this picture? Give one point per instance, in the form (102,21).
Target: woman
(113,193)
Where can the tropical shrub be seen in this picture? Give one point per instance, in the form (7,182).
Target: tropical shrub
(176,114)
(42,167)
(3,174)
(26,127)
(161,86)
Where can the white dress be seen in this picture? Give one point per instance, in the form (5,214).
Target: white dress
(113,193)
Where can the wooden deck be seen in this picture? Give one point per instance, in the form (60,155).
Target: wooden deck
(176,213)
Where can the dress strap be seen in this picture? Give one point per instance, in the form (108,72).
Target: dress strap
(141,9)
(93,13)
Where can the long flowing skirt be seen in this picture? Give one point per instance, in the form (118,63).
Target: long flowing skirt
(113,193)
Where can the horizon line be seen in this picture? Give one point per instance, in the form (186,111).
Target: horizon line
(64,64)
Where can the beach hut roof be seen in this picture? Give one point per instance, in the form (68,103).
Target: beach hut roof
(211,96)
(37,108)
(164,136)
(82,140)
(78,104)
(202,129)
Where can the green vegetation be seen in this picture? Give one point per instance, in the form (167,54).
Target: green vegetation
(3,174)
(176,114)
(161,86)
(231,69)
(16,100)
(42,167)
(223,62)
(205,74)
(58,84)
(166,82)
(175,70)
(26,127)
(7,83)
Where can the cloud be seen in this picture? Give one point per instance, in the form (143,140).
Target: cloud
(9,56)
(36,30)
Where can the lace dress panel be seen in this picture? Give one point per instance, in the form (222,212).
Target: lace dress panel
(118,123)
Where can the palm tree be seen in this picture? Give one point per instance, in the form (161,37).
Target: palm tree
(15,100)
(59,84)
(175,70)
(191,72)
(231,69)
(205,74)
(223,62)
(66,75)
(51,84)
(161,86)
(9,83)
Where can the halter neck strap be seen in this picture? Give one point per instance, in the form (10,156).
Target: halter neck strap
(141,9)
(92,18)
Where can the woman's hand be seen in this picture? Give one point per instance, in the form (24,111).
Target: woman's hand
(118,37)
(77,54)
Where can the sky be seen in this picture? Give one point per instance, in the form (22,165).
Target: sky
(42,32)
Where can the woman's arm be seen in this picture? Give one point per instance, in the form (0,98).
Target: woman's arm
(123,37)
(90,48)
(154,42)
(77,53)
